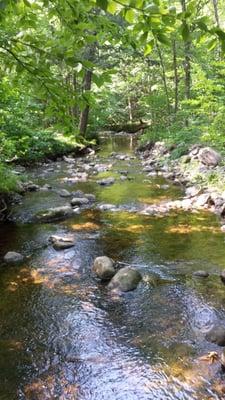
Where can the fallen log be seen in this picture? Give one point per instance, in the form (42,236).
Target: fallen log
(128,128)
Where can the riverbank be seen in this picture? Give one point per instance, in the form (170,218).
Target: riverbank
(72,331)
(200,173)
(36,151)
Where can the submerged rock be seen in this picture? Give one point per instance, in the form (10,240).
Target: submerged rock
(46,187)
(90,197)
(107,207)
(125,280)
(12,257)
(156,280)
(64,193)
(106,181)
(54,214)
(79,201)
(30,187)
(216,335)
(201,274)
(62,242)
(104,268)
(78,193)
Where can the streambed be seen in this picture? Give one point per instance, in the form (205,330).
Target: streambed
(63,335)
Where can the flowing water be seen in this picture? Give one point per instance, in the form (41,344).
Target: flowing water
(64,336)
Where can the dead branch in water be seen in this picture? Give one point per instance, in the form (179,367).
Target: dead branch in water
(2,211)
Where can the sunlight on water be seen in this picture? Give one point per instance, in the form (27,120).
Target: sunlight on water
(64,336)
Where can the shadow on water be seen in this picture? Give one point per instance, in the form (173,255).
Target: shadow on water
(63,335)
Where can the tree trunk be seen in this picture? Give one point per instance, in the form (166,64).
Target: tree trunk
(187,61)
(130,109)
(215,6)
(216,15)
(187,58)
(86,87)
(187,69)
(176,78)
(164,76)
(75,110)
(85,112)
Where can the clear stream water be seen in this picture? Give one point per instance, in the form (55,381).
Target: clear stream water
(64,336)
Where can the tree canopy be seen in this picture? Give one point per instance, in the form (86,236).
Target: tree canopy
(71,68)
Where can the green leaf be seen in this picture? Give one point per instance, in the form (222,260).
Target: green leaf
(185,32)
(139,3)
(98,80)
(223,46)
(220,33)
(162,38)
(149,47)
(212,44)
(191,8)
(26,2)
(112,7)
(102,4)
(152,9)
(143,38)
(130,16)
(88,64)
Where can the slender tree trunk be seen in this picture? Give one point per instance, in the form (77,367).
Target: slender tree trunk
(216,13)
(187,69)
(130,109)
(75,110)
(83,123)
(187,61)
(217,19)
(85,112)
(187,58)
(176,78)
(164,76)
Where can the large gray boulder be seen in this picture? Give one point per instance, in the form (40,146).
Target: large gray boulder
(12,257)
(104,268)
(54,214)
(125,280)
(209,156)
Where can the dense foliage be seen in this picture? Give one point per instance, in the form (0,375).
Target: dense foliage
(70,68)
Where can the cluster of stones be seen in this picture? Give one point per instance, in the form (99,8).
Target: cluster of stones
(122,280)
(196,197)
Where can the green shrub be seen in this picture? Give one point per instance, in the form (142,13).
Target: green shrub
(8,181)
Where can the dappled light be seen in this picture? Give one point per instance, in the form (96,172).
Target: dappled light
(112,200)
(86,226)
(157,200)
(186,229)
